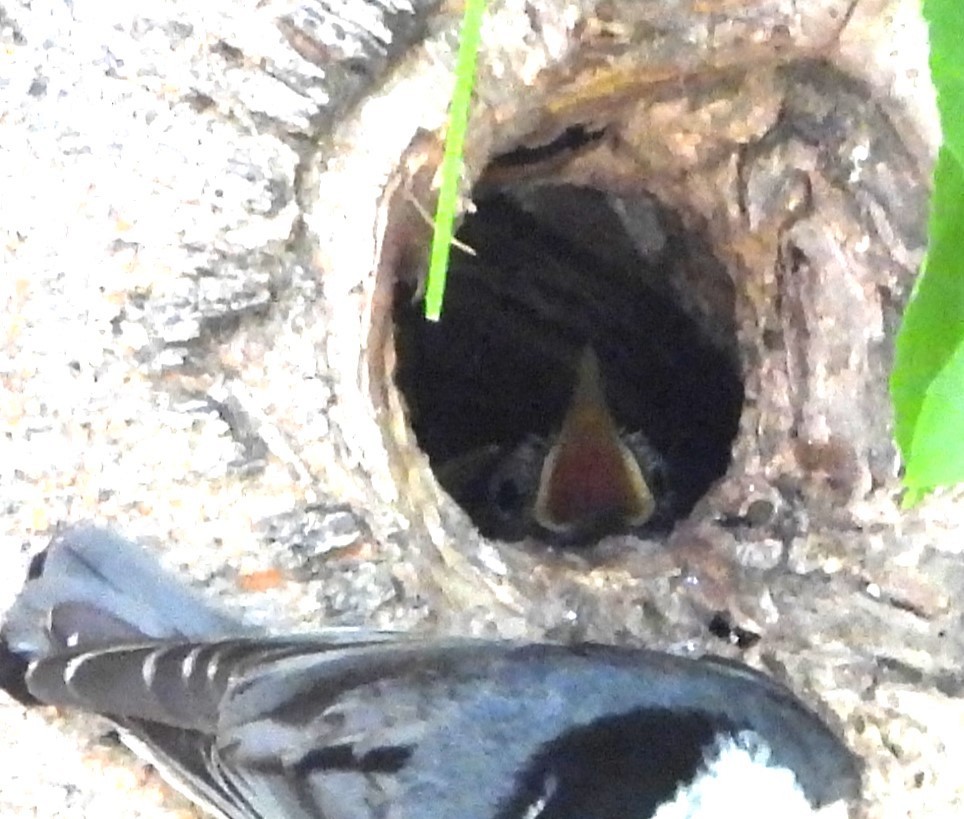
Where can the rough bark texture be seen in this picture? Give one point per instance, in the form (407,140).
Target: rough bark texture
(207,214)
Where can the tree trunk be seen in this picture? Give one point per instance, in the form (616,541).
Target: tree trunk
(214,241)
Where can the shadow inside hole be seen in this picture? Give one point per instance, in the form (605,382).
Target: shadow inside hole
(557,268)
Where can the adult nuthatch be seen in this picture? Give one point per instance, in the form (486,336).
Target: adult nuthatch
(361,725)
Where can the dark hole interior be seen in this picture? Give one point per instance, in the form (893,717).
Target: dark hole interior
(557,268)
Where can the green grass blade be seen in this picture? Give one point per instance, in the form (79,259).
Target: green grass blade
(452,158)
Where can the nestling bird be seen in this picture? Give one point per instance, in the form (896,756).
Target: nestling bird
(590,480)
(351,725)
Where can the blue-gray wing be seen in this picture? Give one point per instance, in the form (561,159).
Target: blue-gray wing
(253,727)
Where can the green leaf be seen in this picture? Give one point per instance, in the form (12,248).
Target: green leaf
(930,340)
(937,453)
(912,497)
(946,26)
(469,39)
(927,383)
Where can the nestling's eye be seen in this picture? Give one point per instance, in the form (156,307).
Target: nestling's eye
(507,496)
(657,477)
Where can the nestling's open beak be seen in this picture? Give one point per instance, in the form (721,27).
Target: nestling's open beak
(590,476)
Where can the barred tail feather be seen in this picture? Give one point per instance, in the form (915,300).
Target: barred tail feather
(92,588)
